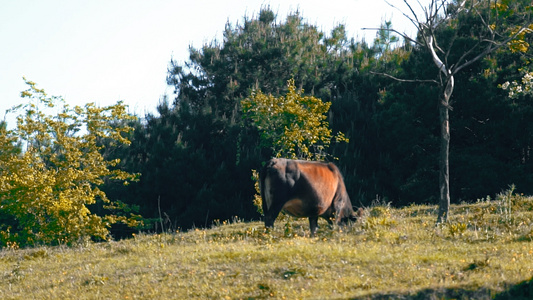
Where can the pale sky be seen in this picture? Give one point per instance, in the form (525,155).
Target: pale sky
(103,51)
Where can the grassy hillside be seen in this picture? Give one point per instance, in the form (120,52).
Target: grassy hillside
(485,252)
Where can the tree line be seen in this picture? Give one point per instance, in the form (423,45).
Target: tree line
(195,155)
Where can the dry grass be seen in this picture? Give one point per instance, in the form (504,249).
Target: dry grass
(392,253)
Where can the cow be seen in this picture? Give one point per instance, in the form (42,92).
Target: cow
(304,189)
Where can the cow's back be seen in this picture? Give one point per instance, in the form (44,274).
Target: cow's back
(318,185)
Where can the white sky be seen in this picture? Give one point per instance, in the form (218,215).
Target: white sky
(108,50)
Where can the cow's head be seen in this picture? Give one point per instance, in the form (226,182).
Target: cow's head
(353,216)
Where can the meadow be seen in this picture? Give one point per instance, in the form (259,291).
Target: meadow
(485,251)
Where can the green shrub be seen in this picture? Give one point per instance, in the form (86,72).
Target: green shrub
(50,170)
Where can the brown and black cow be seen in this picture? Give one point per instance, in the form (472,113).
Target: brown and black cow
(304,189)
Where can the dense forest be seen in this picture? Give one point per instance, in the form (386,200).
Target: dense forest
(196,154)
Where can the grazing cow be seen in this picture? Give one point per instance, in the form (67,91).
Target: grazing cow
(304,189)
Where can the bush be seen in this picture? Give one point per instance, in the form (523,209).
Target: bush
(50,169)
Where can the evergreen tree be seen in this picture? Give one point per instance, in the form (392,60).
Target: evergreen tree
(195,156)
(198,153)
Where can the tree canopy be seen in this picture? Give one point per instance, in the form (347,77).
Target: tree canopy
(196,155)
(293,126)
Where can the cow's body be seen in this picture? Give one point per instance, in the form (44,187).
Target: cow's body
(304,189)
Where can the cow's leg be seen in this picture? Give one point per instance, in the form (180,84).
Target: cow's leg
(274,199)
(329,216)
(313,224)
(272,214)
(330,220)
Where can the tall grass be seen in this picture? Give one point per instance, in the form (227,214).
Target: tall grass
(482,253)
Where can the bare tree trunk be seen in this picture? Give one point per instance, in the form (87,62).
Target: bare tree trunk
(444,157)
(444,165)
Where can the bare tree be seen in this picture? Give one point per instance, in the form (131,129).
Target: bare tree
(491,34)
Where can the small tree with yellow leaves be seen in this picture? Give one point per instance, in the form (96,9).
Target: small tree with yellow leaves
(50,170)
(293,126)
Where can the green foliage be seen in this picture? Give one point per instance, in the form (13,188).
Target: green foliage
(385,39)
(48,184)
(260,53)
(294,126)
(196,153)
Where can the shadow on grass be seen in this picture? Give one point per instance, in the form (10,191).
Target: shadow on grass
(523,290)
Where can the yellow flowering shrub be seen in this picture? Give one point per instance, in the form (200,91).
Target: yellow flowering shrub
(294,126)
(50,169)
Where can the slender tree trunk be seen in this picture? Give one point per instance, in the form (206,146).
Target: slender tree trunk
(444,165)
(444,157)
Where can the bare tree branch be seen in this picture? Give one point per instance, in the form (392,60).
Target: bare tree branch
(405,80)
(450,47)
(433,21)
(463,58)
(414,21)
(438,62)
(492,47)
